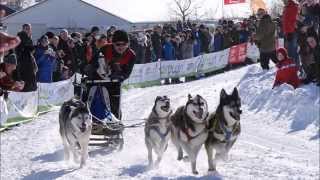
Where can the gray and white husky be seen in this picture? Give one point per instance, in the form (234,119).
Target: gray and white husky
(158,129)
(224,128)
(75,130)
(189,130)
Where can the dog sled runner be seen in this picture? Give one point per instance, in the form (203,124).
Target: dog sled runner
(103,100)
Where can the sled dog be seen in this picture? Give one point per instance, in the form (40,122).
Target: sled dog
(189,130)
(158,129)
(224,128)
(75,129)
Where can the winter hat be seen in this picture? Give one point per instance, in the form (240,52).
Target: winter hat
(10,59)
(120,35)
(284,52)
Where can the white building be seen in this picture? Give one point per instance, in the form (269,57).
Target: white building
(54,15)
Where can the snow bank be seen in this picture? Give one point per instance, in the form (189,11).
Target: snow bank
(299,108)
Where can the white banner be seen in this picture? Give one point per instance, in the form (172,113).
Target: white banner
(55,93)
(22,104)
(253,52)
(144,73)
(214,61)
(179,68)
(3,111)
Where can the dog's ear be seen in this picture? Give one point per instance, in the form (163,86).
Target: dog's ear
(158,98)
(189,97)
(223,94)
(235,92)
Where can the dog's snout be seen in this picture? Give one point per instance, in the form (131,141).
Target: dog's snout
(83,124)
(239,111)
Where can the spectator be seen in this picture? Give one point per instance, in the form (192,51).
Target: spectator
(218,39)
(187,45)
(314,44)
(149,55)
(110,32)
(287,70)
(289,19)
(168,49)
(63,38)
(57,69)
(26,64)
(156,42)
(78,50)
(266,39)
(8,74)
(94,33)
(197,44)
(306,55)
(205,39)
(179,26)
(46,60)
(69,59)
(168,52)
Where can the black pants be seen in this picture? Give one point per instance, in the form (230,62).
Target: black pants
(265,58)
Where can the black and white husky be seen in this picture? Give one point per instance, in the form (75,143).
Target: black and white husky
(189,130)
(75,130)
(158,129)
(224,128)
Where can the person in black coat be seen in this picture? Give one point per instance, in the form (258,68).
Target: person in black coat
(26,62)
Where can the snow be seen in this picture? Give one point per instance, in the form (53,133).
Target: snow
(279,138)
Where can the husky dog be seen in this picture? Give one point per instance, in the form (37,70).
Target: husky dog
(158,129)
(189,130)
(75,130)
(224,128)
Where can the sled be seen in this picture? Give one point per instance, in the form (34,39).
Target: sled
(100,96)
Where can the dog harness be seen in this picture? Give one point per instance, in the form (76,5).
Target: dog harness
(157,129)
(186,131)
(224,129)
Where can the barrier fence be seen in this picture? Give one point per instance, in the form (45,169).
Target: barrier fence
(23,106)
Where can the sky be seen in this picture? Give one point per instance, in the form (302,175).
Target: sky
(158,10)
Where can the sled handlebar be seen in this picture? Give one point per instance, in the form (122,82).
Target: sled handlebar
(102,81)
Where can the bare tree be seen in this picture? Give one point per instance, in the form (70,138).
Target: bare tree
(183,8)
(276,8)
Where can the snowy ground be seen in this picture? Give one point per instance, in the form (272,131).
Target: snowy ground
(279,140)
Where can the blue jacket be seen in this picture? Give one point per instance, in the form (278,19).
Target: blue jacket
(168,51)
(46,64)
(218,42)
(197,45)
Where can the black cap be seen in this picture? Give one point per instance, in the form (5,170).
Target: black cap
(120,35)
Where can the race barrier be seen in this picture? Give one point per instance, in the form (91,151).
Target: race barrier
(22,106)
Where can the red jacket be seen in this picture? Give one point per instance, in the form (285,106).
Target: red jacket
(289,17)
(287,72)
(121,64)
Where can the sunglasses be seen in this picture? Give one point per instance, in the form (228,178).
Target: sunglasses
(120,44)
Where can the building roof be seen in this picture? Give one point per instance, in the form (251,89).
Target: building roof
(81,1)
